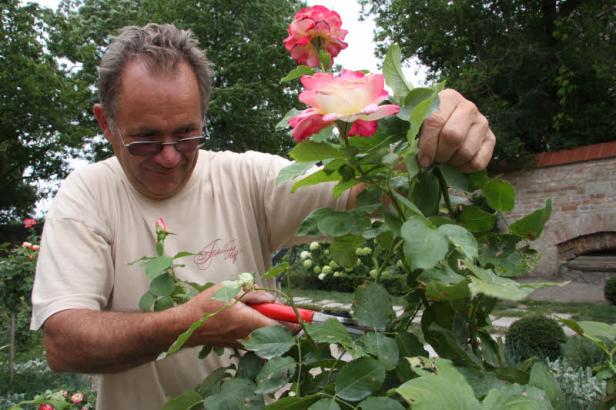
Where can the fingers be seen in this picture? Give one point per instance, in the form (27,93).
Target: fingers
(482,158)
(258,296)
(457,134)
(432,126)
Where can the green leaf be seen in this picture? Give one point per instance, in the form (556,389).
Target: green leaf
(186,400)
(294,403)
(439,291)
(409,345)
(412,166)
(249,366)
(383,348)
(501,252)
(408,208)
(392,71)
(516,397)
(359,378)
(297,72)
(342,249)
(212,384)
(424,247)
(380,403)
(372,306)
(477,180)
(476,219)
(283,124)
(462,239)
(541,377)
(454,178)
(182,254)
(147,301)
(162,285)
(426,193)
(423,110)
(277,270)
(331,331)
(292,171)
(269,342)
(343,186)
(235,394)
(227,292)
(446,389)
(316,178)
(309,225)
(157,266)
(276,373)
(412,99)
(531,226)
(163,303)
(487,283)
(592,330)
(325,404)
(339,223)
(308,150)
(499,194)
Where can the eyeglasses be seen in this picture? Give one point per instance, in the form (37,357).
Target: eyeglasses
(151,148)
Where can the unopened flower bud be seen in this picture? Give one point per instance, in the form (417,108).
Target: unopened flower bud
(304,255)
(336,274)
(334,265)
(314,246)
(26,245)
(35,247)
(366,251)
(308,263)
(246,280)
(359,251)
(322,276)
(316,269)
(161,225)
(326,269)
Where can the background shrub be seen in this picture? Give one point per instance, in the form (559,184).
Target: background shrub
(534,336)
(581,352)
(610,290)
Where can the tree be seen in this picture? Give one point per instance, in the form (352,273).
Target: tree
(240,37)
(37,115)
(544,72)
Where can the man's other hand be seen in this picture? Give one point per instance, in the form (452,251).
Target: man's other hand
(457,134)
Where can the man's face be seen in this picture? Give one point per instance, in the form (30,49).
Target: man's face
(157,107)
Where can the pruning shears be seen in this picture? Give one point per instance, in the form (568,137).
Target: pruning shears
(285,313)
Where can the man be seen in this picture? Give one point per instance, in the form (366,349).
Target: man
(154,90)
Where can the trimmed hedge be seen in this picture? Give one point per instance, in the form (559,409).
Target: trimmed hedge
(610,290)
(534,336)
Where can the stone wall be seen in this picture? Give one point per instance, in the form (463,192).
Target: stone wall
(582,185)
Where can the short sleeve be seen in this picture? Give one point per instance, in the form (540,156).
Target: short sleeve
(285,210)
(75,265)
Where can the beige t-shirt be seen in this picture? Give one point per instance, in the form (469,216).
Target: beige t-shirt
(231,212)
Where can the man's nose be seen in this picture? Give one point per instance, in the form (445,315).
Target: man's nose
(168,157)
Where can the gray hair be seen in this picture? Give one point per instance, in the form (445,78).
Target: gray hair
(162,47)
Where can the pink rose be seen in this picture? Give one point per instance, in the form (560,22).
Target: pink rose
(46,407)
(161,225)
(29,223)
(77,398)
(26,245)
(313,28)
(351,97)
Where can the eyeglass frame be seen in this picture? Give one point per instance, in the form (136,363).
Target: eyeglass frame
(161,144)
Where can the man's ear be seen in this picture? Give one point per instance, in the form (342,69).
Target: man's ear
(101,118)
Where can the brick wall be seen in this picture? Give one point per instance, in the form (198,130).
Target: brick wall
(582,185)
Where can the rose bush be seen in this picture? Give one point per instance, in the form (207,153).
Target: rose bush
(438,226)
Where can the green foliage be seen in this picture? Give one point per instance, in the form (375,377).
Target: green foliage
(240,38)
(542,72)
(581,352)
(38,100)
(534,336)
(610,290)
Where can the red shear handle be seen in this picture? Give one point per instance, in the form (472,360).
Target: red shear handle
(283,313)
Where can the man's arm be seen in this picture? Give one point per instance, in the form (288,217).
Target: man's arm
(88,341)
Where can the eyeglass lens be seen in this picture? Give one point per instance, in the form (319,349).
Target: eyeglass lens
(149,148)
